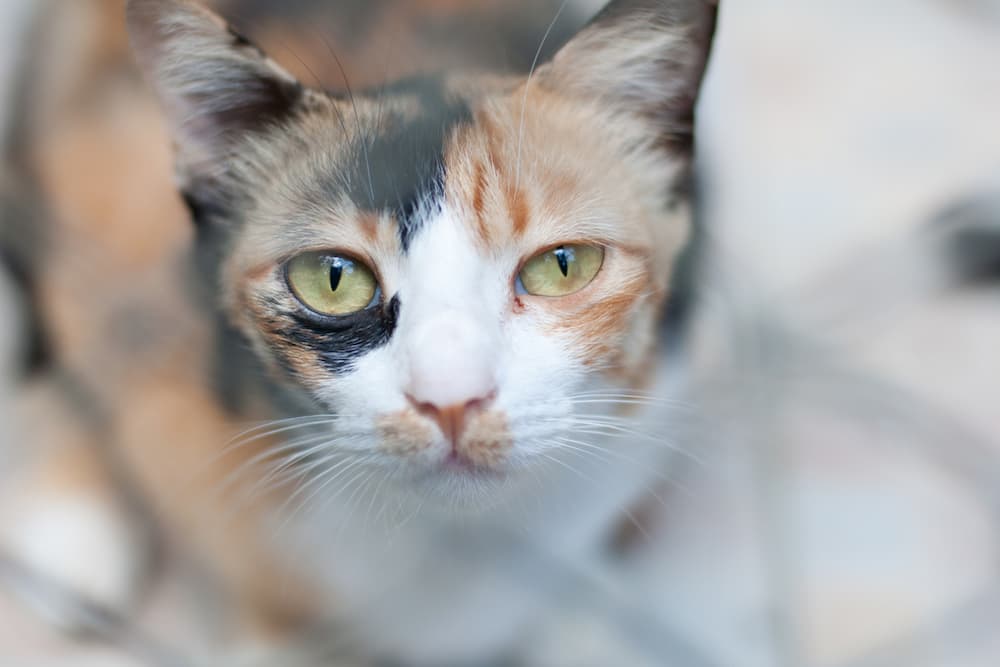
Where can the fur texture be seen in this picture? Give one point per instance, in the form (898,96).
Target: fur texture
(388,490)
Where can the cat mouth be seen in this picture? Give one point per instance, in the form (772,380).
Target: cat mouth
(457,464)
(454,468)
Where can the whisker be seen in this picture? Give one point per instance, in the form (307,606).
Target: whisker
(595,452)
(325,442)
(287,476)
(616,425)
(527,85)
(407,519)
(269,453)
(340,470)
(377,494)
(267,430)
(623,510)
(348,504)
(626,422)
(280,422)
(622,457)
(618,432)
(328,475)
(630,401)
(292,445)
(623,392)
(357,117)
(656,398)
(256,434)
(304,471)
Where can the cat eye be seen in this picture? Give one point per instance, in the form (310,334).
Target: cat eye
(561,271)
(331,284)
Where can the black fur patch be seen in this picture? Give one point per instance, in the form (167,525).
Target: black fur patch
(340,341)
(399,165)
(264,101)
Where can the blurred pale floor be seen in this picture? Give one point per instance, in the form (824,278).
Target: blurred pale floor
(835,128)
(831,127)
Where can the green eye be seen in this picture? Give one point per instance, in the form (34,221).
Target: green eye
(562,271)
(331,284)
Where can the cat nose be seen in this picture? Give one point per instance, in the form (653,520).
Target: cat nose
(451,419)
(452,362)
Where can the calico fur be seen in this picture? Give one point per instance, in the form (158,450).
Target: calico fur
(443,184)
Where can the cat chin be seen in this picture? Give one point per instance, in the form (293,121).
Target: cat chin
(459,489)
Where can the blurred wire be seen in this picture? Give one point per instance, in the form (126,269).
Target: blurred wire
(92,619)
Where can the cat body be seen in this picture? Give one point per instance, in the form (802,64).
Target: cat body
(443,296)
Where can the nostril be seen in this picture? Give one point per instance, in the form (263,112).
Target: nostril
(451,418)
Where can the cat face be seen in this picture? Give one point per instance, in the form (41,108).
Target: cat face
(446,264)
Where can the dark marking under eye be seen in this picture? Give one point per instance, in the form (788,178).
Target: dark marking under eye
(337,342)
(398,165)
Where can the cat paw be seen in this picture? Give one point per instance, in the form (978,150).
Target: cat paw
(76,553)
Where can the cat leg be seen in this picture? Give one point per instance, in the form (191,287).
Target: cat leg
(62,519)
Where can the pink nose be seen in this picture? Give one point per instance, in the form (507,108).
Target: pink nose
(451,419)
(452,361)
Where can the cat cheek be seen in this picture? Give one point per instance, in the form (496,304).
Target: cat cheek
(404,434)
(595,334)
(485,442)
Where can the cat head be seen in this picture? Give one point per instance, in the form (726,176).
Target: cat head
(446,263)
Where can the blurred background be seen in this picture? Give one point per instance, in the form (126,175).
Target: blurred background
(846,512)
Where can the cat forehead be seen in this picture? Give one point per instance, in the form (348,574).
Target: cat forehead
(395,162)
(377,169)
(377,157)
(596,135)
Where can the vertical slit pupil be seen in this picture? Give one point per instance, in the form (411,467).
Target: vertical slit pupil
(560,254)
(336,273)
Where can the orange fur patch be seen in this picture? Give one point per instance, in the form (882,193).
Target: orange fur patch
(404,433)
(486,441)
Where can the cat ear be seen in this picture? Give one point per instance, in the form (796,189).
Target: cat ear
(646,57)
(215,86)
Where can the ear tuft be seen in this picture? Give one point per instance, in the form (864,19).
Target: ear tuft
(646,57)
(214,84)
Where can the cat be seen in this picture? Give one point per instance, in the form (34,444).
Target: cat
(445,294)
